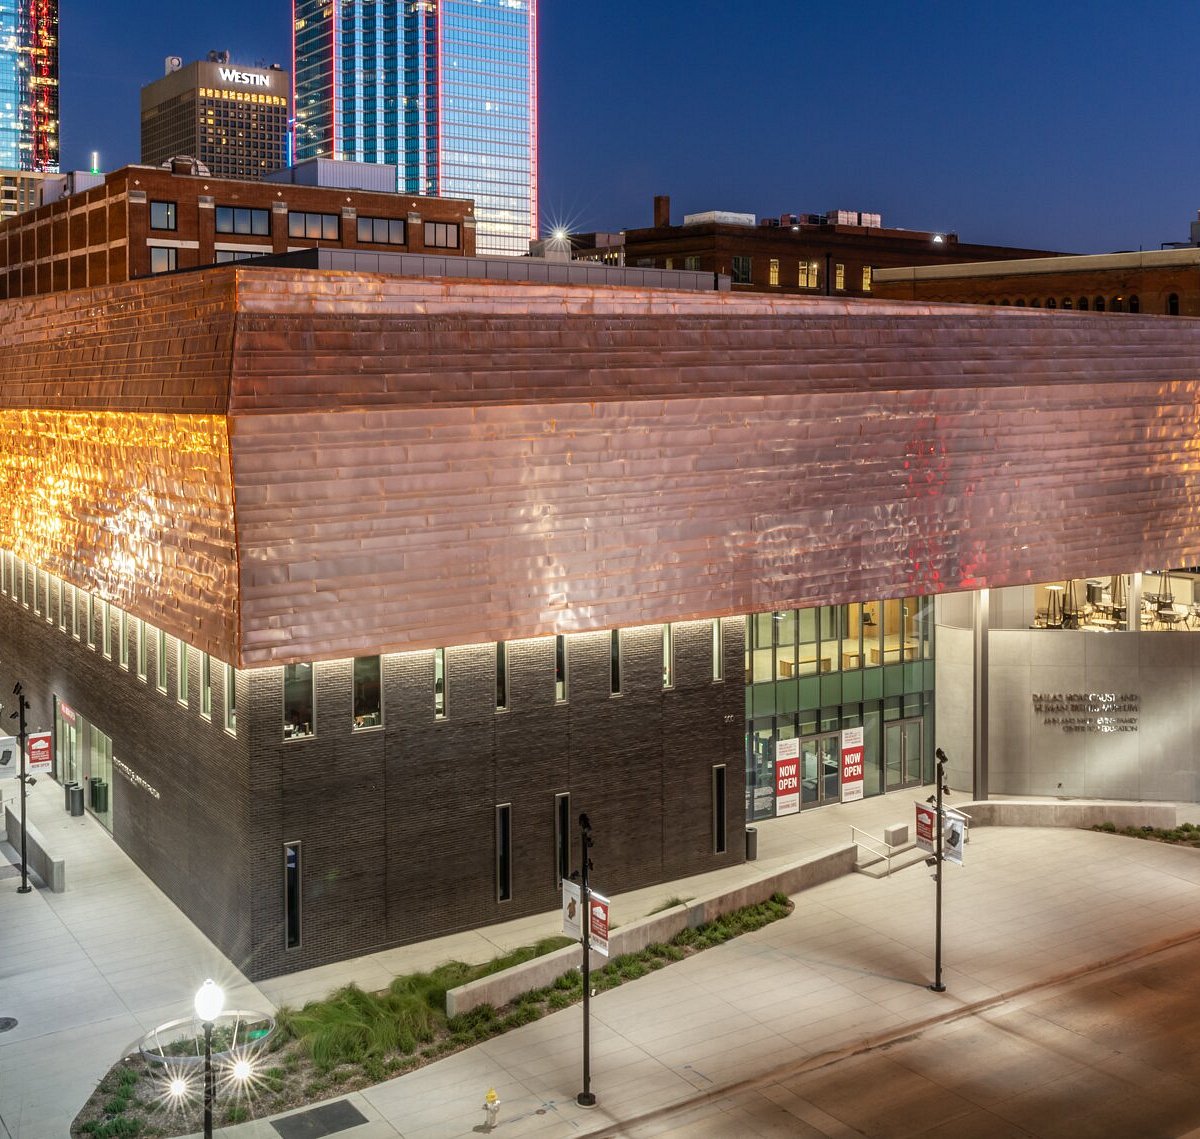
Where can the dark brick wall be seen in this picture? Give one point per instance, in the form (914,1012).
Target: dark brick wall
(191,841)
(398,824)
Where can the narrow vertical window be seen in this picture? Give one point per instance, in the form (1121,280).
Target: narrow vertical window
(61,588)
(668,657)
(718,808)
(74,602)
(299,705)
(206,686)
(504,853)
(141,649)
(501,676)
(291,894)
(4,574)
(160,664)
(839,276)
(439,684)
(46,598)
(37,593)
(368,692)
(106,630)
(614,662)
(560,668)
(24,576)
(562,836)
(773,271)
(181,676)
(231,699)
(123,638)
(866,278)
(718,651)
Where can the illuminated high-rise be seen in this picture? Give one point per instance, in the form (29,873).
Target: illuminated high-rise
(29,85)
(443,90)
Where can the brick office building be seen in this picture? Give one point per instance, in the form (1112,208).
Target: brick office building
(144,220)
(344,593)
(1161,281)
(832,254)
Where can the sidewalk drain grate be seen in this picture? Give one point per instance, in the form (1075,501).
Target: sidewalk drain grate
(7,1023)
(328,1119)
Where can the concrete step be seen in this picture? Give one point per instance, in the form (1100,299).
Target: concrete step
(876,866)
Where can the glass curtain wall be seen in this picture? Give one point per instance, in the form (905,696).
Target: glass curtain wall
(811,673)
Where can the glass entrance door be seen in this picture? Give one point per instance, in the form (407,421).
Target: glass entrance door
(902,753)
(820,770)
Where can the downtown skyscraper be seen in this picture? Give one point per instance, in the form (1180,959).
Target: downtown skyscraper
(29,85)
(443,90)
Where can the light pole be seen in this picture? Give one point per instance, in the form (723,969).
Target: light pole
(937,985)
(209,1003)
(26,781)
(586,1098)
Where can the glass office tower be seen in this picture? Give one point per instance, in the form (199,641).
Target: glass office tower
(444,90)
(29,85)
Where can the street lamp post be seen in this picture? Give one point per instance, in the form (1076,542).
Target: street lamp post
(937,985)
(209,1003)
(26,780)
(586,1098)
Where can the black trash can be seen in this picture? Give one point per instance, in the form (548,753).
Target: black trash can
(100,797)
(67,795)
(751,844)
(76,799)
(93,790)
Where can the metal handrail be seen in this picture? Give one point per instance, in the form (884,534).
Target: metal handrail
(888,850)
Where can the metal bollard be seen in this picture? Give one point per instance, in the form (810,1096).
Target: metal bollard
(491,1109)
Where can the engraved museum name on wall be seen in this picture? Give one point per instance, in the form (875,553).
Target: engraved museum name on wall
(1089,711)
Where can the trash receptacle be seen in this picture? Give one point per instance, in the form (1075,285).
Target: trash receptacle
(751,843)
(100,797)
(67,794)
(76,794)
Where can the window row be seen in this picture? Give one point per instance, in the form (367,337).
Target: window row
(367,710)
(837,638)
(82,615)
(1120,303)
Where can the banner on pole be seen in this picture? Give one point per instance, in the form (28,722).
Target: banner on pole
(10,757)
(598,923)
(41,757)
(787,777)
(572,920)
(926,816)
(852,764)
(954,836)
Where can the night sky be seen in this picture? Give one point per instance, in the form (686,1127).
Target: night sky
(1054,125)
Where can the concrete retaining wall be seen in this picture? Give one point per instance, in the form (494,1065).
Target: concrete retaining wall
(502,988)
(1019,813)
(52,871)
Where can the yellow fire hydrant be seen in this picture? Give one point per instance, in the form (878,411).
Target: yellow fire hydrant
(491,1109)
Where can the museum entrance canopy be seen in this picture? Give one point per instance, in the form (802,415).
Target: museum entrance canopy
(286,465)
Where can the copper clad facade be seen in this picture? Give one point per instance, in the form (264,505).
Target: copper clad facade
(417,463)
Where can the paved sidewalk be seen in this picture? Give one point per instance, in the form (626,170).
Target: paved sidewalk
(99,965)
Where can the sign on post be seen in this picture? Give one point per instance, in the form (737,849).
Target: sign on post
(787,777)
(852,764)
(926,822)
(10,757)
(954,836)
(598,925)
(572,919)
(40,753)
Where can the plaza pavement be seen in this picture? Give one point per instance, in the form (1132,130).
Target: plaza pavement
(88,971)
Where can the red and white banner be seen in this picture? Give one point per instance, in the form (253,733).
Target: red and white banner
(926,823)
(41,753)
(852,764)
(598,922)
(787,777)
